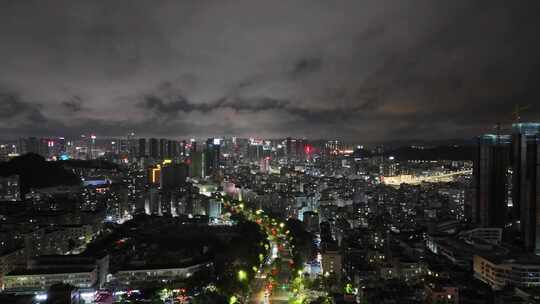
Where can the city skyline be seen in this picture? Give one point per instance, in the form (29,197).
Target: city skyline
(366,71)
(269,152)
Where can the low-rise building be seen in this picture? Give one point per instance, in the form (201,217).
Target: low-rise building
(9,261)
(441,292)
(311,220)
(143,275)
(460,252)
(332,261)
(9,188)
(499,272)
(33,280)
(490,235)
(45,271)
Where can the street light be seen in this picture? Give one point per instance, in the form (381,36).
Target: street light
(242,275)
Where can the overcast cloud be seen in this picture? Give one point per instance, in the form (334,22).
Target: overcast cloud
(364,70)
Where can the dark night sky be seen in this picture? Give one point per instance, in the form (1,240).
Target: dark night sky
(362,70)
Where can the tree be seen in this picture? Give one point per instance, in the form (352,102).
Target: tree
(302,240)
(322,300)
(210,298)
(60,293)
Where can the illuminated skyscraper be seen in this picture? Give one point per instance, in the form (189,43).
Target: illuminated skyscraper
(491,165)
(526,182)
(331,147)
(255,151)
(197,166)
(131,145)
(212,155)
(92,147)
(183,148)
(214,208)
(264,165)
(154,175)
(193,145)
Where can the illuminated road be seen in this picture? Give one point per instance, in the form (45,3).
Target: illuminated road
(279,293)
(275,282)
(258,286)
(272,284)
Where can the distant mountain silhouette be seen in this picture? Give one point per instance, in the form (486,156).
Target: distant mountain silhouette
(451,152)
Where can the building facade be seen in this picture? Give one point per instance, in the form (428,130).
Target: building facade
(499,273)
(526,182)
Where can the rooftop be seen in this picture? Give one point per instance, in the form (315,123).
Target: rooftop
(37,272)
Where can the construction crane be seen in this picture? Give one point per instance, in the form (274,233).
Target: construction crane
(517,112)
(516,118)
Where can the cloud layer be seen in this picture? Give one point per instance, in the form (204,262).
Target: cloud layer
(365,71)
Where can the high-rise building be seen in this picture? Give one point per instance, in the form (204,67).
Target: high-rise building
(154,175)
(193,145)
(255,151)
(331,147)
(172,149)
(153,202)
(56,146)
(212,155)
(173,176)
(490,171)
(183,148)
(123,146)
(290,147)
(33,145)
(130,145)
(214,208)
(311,220)
(300,149)
(264,165)
(9,188)
(163,148)
(197,166)
(4,153)
(526,182)
(153,148)
(142,147)
(332,261)
(469,201)
(92,153)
